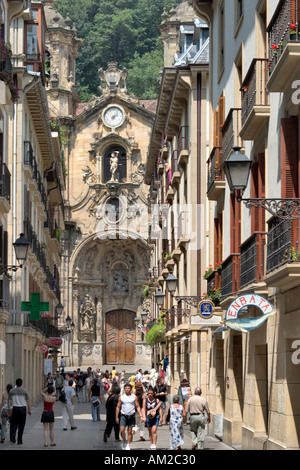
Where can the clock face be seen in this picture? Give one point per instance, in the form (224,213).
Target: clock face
(113,116)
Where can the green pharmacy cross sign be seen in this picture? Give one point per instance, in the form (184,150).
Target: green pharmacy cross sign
(35,306)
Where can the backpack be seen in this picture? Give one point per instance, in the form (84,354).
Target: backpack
(62,396)
(80,382)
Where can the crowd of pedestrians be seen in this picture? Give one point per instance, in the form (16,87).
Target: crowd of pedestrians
(132,406)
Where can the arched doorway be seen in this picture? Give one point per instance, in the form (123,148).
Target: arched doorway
(120,337)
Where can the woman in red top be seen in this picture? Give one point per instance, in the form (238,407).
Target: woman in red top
(48,415)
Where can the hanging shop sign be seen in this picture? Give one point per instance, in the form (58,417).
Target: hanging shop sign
(44,348)
(206,309)
(205,315)
(238,306)
(54,341)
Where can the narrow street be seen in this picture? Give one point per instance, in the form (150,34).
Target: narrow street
(89,435)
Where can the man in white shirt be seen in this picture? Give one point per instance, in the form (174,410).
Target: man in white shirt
(18,404)
(127,404)
(68,406)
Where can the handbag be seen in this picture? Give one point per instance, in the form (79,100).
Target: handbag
(96,402)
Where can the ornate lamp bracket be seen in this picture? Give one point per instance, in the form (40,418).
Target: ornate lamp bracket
(285,209)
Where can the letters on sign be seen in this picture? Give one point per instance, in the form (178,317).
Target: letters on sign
(245,301)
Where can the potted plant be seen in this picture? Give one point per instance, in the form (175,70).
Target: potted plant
(294,35)
(208,272)
(214,295)
(156,334)
(219,267)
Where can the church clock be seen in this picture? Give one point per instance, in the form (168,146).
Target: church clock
(113,116)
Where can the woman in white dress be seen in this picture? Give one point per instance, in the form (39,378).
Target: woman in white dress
(176,416)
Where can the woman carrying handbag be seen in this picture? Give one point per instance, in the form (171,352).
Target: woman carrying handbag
(111,405)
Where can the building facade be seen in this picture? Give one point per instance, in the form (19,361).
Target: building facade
(31,201)
(254,377)
(176,173)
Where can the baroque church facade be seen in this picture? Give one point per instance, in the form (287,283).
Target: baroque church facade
(105,254)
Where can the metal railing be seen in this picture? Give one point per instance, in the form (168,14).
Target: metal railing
(283,28)
(43,326)
(231,132)
(183,139)
(5,190)
(174,160)
(214,167)
(254,90)
(252,259)
(230,275)
(283,243)
(30,160)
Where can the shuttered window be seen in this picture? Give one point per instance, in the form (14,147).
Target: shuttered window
(258,191)
(290,165)
(289,157)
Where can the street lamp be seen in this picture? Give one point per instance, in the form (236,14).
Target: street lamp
(144,316)
(237,171)
(21,246)
(171,282)
(159,298)
(59,309)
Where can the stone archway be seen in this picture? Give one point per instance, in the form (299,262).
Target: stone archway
(107,279)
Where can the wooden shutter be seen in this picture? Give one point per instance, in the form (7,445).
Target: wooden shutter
(289,165)
(218,244)
(258,191)
(221,106)
(289,157)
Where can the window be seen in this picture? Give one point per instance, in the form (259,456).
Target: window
(32,41)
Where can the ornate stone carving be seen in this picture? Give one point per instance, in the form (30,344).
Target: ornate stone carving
(87,350)
(113,78)
(87,316)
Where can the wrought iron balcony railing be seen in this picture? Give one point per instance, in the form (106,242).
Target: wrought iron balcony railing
(230,275)
(283,243)
(254,89)
(214,170)
(284,27)
(231,132)
(252,259)
(5,182)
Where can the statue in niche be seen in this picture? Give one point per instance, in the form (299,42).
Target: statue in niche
(87,315)
(114,162)
(90,259)
(120,281)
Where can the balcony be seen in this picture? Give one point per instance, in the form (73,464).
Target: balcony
(231,132)
(283,256)
(175,169)
(4,189)
(183,235)
(230,275)
(183,146)
(252,259)
(215,176)
(255,100)
(33,174)
(284,46)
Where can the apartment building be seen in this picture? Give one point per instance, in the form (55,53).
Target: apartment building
(176,173)
(31,198)
(254,68)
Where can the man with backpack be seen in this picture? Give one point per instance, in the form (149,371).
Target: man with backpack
(59,383)
(68,405)
(80,386)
